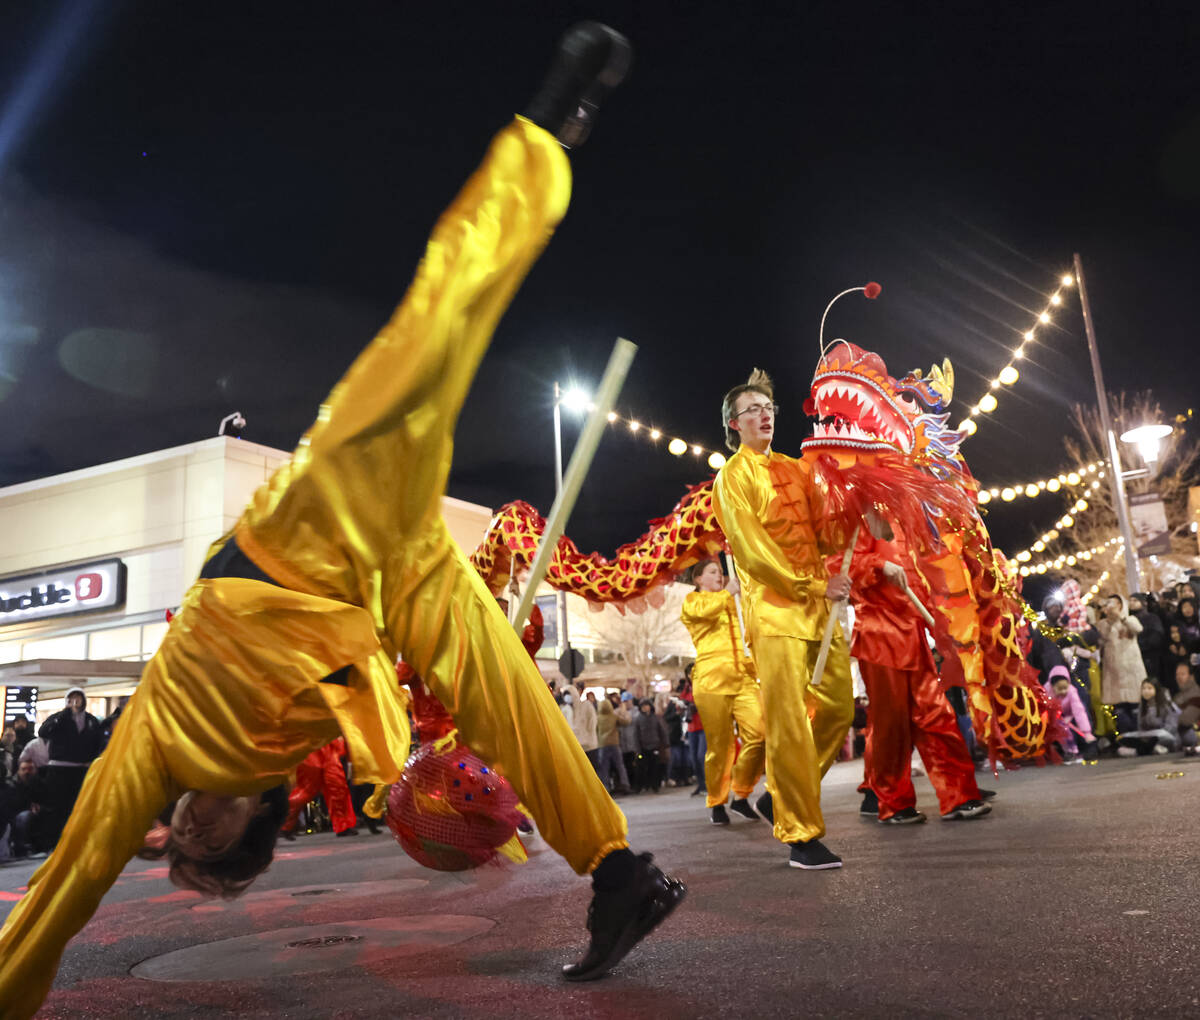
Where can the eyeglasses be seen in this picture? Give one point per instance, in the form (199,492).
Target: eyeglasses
(771,409)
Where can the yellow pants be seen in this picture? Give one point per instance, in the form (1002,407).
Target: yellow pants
(719,713)
(351,529)
(806,726)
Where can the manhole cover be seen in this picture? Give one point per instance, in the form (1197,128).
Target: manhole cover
(311,948)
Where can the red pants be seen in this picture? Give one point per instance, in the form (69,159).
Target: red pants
(322,772)
(907,709)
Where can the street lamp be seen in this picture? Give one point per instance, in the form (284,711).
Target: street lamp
(1147,439)
(577,401)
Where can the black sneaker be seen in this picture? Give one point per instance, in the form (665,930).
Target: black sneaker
(618,921)
(813,855)
(969,809)
(372,825)
(870,804)
(987,794)
(348,832)
(698,791)
(766,807)
(719,815)
(741,806)
(591,60)
(905,816)
(288,834)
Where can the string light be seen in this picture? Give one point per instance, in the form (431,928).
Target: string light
(1066,559)
(1009,374)
(1064,522)
(1032,489)
(676,446)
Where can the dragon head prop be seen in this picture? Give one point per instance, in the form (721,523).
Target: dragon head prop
(860,408)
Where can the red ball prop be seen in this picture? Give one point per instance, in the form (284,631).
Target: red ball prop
(449,811)
(872,290)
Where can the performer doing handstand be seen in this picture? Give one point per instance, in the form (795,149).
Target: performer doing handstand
(340,563)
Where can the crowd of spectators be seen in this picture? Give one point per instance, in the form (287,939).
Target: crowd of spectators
(42,773)
(1123,672)
(638,745)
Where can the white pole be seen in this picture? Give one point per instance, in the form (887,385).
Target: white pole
(1114,458)
(831,620)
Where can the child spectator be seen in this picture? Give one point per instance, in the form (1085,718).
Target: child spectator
(1188,700)
(1157,725)
(1073,715)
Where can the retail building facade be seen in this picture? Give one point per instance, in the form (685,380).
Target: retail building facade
(92,560)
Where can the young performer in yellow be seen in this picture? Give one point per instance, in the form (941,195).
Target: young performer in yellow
(341,562)
(726,693)
(769,509)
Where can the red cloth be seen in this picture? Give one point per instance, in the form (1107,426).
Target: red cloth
(322,772)
(887,628)
(534,633)
(909,709)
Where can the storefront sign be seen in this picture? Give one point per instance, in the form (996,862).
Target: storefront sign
(20,701)
(1148,518)
(81,588)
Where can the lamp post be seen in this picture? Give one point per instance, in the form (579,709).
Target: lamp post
(1115,478)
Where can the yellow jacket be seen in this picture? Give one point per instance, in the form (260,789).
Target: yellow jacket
(774,539)
(721,663)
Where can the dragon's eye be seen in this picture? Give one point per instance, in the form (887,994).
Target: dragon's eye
(907,402)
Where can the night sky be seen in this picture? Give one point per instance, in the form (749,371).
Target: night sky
(211,206)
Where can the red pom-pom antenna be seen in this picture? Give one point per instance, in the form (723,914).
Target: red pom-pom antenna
(871,290)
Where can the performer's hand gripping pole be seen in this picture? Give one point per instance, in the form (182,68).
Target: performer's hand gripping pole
(581,459)
(831,621)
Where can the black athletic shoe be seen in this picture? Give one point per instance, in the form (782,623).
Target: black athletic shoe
(719,815)
(813,855)
(741,806)
(591,60)
(870,804)
(766,807)
(987,794)
(905,816)
(288,834)
(372,825)
(699,790)
(619,920)
(969,809)
(348,832)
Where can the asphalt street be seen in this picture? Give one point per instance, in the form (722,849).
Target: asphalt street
(1076,897)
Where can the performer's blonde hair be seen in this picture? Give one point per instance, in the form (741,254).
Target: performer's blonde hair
(759,382)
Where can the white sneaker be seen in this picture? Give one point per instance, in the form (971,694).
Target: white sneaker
(1127,752)
(1160,749)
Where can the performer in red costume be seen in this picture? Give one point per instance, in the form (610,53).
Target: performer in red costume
(322,772)
(907,706)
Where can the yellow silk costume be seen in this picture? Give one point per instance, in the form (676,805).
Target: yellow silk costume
(781,566)
(350,528)
(726,692)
